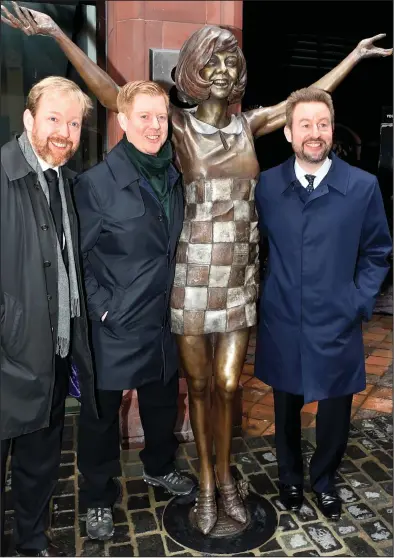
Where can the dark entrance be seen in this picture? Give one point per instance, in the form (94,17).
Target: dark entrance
(289,45)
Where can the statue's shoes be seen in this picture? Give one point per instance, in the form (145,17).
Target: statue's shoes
(232,502)
(206,511)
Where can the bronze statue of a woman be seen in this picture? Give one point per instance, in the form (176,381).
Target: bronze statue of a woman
(216,282)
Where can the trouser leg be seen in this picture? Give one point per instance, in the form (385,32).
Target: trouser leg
(35,464)
(158,408)
(99,451)
(288,436)
(332,431)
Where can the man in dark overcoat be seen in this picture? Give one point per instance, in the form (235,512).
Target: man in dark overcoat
(328,247)
(43,318)
(130,208)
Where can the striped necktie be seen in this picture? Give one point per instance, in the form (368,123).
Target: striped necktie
(310,178)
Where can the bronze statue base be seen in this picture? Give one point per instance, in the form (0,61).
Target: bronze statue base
(228,536)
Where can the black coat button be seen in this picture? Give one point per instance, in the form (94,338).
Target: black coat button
(37,186)
(47,264)
(160,217)
(49,297)
(44,227)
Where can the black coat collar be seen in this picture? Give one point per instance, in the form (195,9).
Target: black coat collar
(16,166)
(123,170)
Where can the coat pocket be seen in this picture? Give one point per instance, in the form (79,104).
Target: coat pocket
(111,321)
(11,317)
(354,301)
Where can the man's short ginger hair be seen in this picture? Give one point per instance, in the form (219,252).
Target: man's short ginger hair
(308,95)
(130,90)
(58,85)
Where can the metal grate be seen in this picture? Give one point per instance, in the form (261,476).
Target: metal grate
(317,51)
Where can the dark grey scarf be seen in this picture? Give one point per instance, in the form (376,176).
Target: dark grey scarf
(68,295)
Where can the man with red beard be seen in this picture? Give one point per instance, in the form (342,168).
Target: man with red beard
(328,247)
(43,318)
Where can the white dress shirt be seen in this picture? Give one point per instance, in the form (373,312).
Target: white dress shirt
(319,174)
(44,165)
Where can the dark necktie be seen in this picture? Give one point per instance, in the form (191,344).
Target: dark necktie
(310,178)
(55,202)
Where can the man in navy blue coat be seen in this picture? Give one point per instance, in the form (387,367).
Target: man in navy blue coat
(328,247)
(130,209)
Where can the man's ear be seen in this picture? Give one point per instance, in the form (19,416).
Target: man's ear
(122,119)
(287,133)
(28,120)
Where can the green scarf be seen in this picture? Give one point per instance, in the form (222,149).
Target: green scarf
(154,168)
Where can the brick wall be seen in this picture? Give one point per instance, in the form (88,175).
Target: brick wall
(132,29)
(135,27)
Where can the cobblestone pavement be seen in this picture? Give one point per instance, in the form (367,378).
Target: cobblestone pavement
(377,398)
(364,483)
(364,479)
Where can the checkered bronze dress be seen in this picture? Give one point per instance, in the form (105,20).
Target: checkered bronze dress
(216,278)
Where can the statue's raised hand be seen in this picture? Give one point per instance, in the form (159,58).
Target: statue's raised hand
(367,49)
(29,21)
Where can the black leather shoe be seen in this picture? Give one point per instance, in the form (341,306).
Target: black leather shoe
(329,503)
(50,550)
(291,496)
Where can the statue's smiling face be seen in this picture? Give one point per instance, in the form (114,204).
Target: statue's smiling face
(222,72)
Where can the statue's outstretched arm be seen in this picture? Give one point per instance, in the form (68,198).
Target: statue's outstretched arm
(265,120)
(32,22)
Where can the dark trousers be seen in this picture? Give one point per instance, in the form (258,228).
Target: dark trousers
(35,460)
(332,431)
(99,444)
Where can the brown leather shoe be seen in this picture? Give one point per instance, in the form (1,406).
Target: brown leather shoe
(232,502)
(206,511)
(50,550)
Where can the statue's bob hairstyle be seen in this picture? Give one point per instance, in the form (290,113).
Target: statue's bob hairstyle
(196,53)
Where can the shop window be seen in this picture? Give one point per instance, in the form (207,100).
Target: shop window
(25,60)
